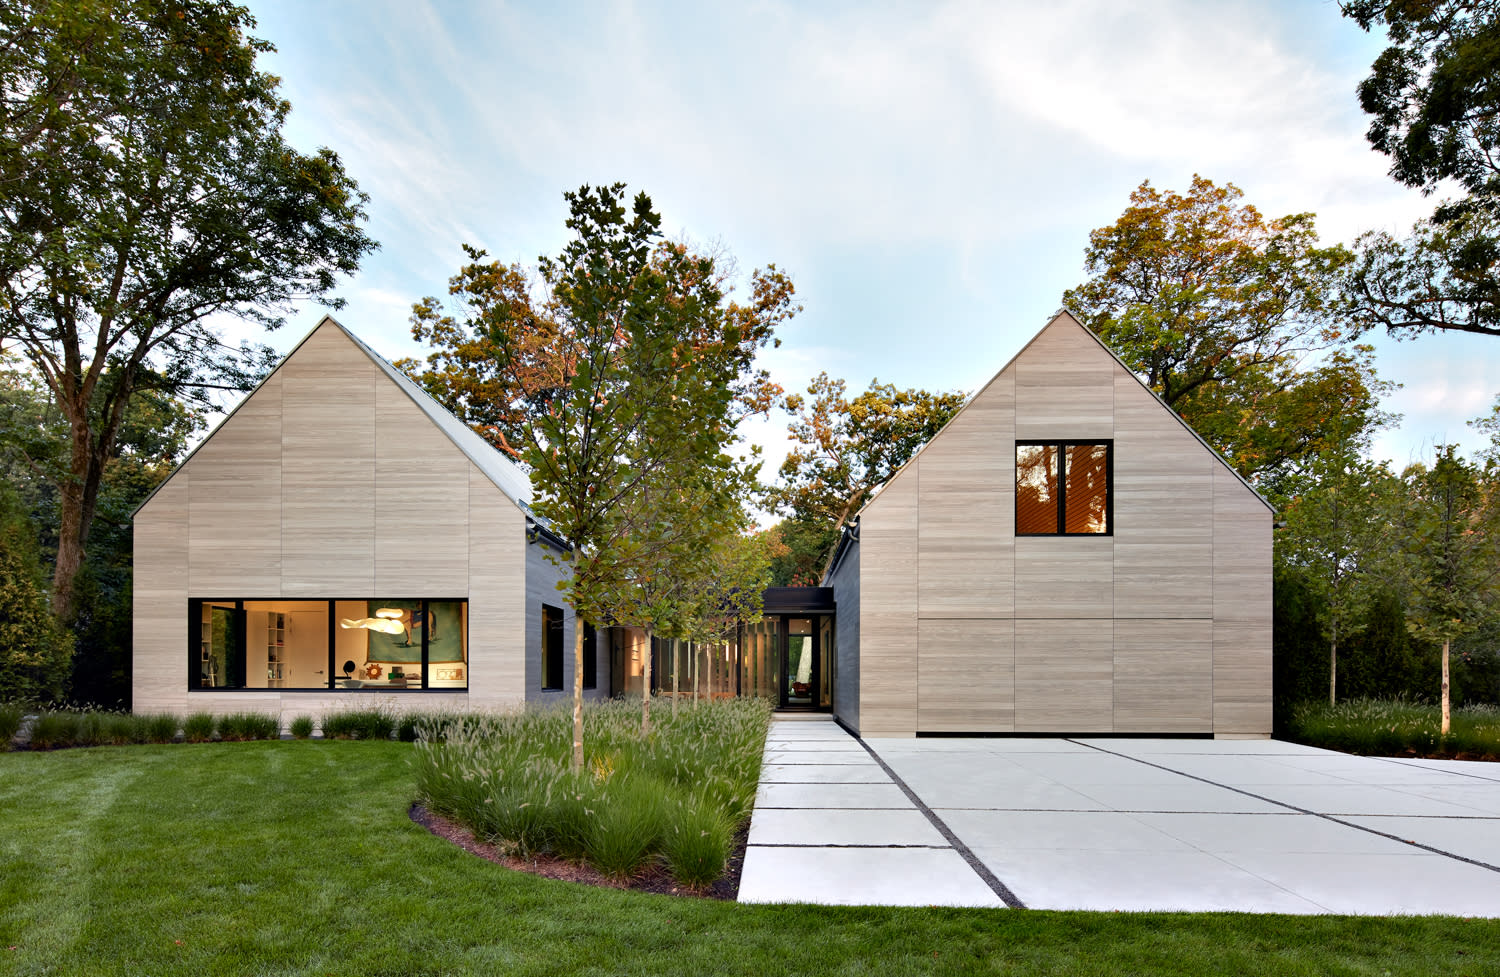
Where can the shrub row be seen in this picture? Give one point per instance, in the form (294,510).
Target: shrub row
(677,795)
(1385,727)
(57,728)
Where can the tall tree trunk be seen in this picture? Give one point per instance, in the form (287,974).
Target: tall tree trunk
(674,679)
(696,653)
(78,500)
(1446,714)
(578,623)
(646,687)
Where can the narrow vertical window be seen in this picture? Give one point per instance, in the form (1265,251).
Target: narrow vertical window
(552,647)
(1063,488)
(590,657)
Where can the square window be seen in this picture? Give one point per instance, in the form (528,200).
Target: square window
(1063,488)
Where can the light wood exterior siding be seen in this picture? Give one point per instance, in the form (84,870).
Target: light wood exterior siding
(958,625)
(330,482)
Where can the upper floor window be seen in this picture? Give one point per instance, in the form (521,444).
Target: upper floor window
(1063,488)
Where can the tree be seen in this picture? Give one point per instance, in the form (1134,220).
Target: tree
(489,298)
(145,187)
(1449,563)
(1219,310)
(728,592)
(1433,96)
(654,358)
(1333,530)
(34,647)
(848,448)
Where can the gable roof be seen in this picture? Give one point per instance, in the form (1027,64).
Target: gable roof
(507,476)
(1065,314)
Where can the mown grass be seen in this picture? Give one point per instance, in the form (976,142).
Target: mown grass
(299,858)
(1376,727)
(677,795)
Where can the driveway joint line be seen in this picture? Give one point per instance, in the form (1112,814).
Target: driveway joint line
(792,844)
(1455,773)
(982,870)
(1299,810)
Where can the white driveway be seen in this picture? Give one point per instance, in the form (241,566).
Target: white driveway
(1127,824)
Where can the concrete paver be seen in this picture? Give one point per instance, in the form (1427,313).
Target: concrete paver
(1127,824)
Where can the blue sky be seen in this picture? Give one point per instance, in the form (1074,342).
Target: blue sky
(927,172)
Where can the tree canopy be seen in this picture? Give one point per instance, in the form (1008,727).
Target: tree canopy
(848,447)
(1433,95)
(1232,319)
(145,187)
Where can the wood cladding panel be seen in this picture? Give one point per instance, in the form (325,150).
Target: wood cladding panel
(1163,676)
(421,501)
(234,517)
(888,611)
(965,676)
(1242,609)
(497,597)
(328,468)
(1064,385)
(967,502)
(159,599)
(1064,679)
(1065,577)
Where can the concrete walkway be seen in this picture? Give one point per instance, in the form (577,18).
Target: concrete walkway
(1127,824)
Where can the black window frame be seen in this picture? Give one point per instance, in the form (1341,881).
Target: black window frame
(195,614)
(1062,484)
(552,648)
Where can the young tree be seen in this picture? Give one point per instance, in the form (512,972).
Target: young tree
(1217,308)
(1333,530)
(653,359)
(145,185)
(1433,96)
(848,448)
(730,591)
(34,647)
(1449,561)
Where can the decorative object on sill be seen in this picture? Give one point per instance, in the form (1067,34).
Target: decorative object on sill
(349,669)
(397,673)
(372,670)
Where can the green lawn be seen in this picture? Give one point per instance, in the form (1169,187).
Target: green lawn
(298,858)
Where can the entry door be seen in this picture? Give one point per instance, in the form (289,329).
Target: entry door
(799,664)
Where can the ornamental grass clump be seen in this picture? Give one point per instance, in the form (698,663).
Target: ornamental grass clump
(359,724)
(161,727)
(57,728)
(238,727)
(198,727)
(11,717)
(1386,727)
(302,728)
(676,796)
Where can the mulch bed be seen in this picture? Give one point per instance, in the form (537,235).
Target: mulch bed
(654,878)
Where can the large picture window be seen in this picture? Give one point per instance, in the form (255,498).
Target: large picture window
(1063,488)
(389,643)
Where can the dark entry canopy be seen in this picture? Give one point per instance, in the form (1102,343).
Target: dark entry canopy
(798,600)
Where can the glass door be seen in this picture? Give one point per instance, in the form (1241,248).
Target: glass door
(801,664)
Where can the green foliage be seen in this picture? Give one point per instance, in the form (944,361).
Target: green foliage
(798,548)
(1433,96)
(683,789)
(1216,308)
(145,187)
(161,727)
(1396,727)
(199,727)
(359,724)
(845,449)
(34,648)
(237,727)
(12,714)
(302,727)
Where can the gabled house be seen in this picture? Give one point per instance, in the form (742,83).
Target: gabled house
(341,539)
(1065,556)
